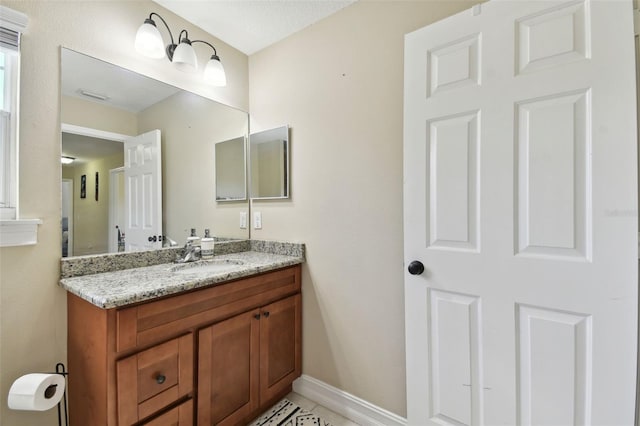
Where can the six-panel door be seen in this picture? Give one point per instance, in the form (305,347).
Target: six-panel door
(521,202)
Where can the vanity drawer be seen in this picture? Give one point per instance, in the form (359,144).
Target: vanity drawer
(181,415)
(155,321)
(154,378)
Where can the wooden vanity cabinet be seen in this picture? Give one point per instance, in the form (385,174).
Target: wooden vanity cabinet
(214,356)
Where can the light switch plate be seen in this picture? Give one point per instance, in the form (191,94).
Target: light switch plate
(257,220)
(243,220)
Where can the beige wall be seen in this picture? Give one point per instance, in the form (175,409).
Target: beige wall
(33,307)
(339,85)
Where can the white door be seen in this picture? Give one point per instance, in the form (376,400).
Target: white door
(143,192)
(521,203)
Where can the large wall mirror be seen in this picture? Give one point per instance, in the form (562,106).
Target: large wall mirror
(111,116)
(269,160)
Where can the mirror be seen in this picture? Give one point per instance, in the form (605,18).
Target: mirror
(102,105)
(231,182)
(269,160)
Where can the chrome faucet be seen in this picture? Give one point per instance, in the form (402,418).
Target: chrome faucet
(190,253)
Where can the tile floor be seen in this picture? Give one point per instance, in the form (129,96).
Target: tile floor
(334,418)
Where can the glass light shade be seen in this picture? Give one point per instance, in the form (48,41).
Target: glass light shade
(149,41)
(66,160)
(184,57)
(214,72)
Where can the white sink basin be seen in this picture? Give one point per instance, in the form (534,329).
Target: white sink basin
(207,267)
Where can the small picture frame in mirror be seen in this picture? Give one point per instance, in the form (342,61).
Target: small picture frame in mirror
(83,186)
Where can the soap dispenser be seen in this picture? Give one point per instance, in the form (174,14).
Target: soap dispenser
(207,245)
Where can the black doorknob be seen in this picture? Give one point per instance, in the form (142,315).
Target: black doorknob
(416,267)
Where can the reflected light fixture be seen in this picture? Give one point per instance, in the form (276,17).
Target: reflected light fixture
(66,159)
(149,43)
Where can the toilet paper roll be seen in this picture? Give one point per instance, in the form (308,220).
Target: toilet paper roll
(36,392)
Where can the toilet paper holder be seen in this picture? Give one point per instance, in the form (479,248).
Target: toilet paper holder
(60,369)
(40,392)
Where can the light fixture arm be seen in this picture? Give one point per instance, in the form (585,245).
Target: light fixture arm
(165,24)
(186,39)
(170,47)
(215,53)
(186,36)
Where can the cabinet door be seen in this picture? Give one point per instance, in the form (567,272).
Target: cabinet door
(280,346)
(182,415)
(228,364)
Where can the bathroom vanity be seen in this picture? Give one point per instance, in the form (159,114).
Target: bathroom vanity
(208,343)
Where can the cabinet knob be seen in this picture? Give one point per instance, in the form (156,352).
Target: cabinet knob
(160,379)
(266,314)
(257,316)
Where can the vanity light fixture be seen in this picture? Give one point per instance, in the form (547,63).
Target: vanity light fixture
(66,159)
(149,43)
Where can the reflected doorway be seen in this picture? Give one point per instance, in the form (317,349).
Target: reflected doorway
(67,217)
(116,210)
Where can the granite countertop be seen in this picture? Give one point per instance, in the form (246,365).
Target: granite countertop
(123,287)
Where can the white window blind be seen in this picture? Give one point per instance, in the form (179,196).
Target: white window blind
(12,24)
(9,38)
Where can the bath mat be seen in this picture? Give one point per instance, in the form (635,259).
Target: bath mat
(286,413)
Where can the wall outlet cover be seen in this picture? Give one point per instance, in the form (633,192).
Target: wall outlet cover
(257,220)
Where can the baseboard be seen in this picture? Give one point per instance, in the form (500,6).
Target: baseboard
(345,404)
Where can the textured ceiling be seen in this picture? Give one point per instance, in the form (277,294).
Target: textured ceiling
(252,25)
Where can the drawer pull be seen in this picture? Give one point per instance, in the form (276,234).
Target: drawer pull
(160,379)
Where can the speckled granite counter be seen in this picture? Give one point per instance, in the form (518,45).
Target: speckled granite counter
(97,263)
(123,287)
